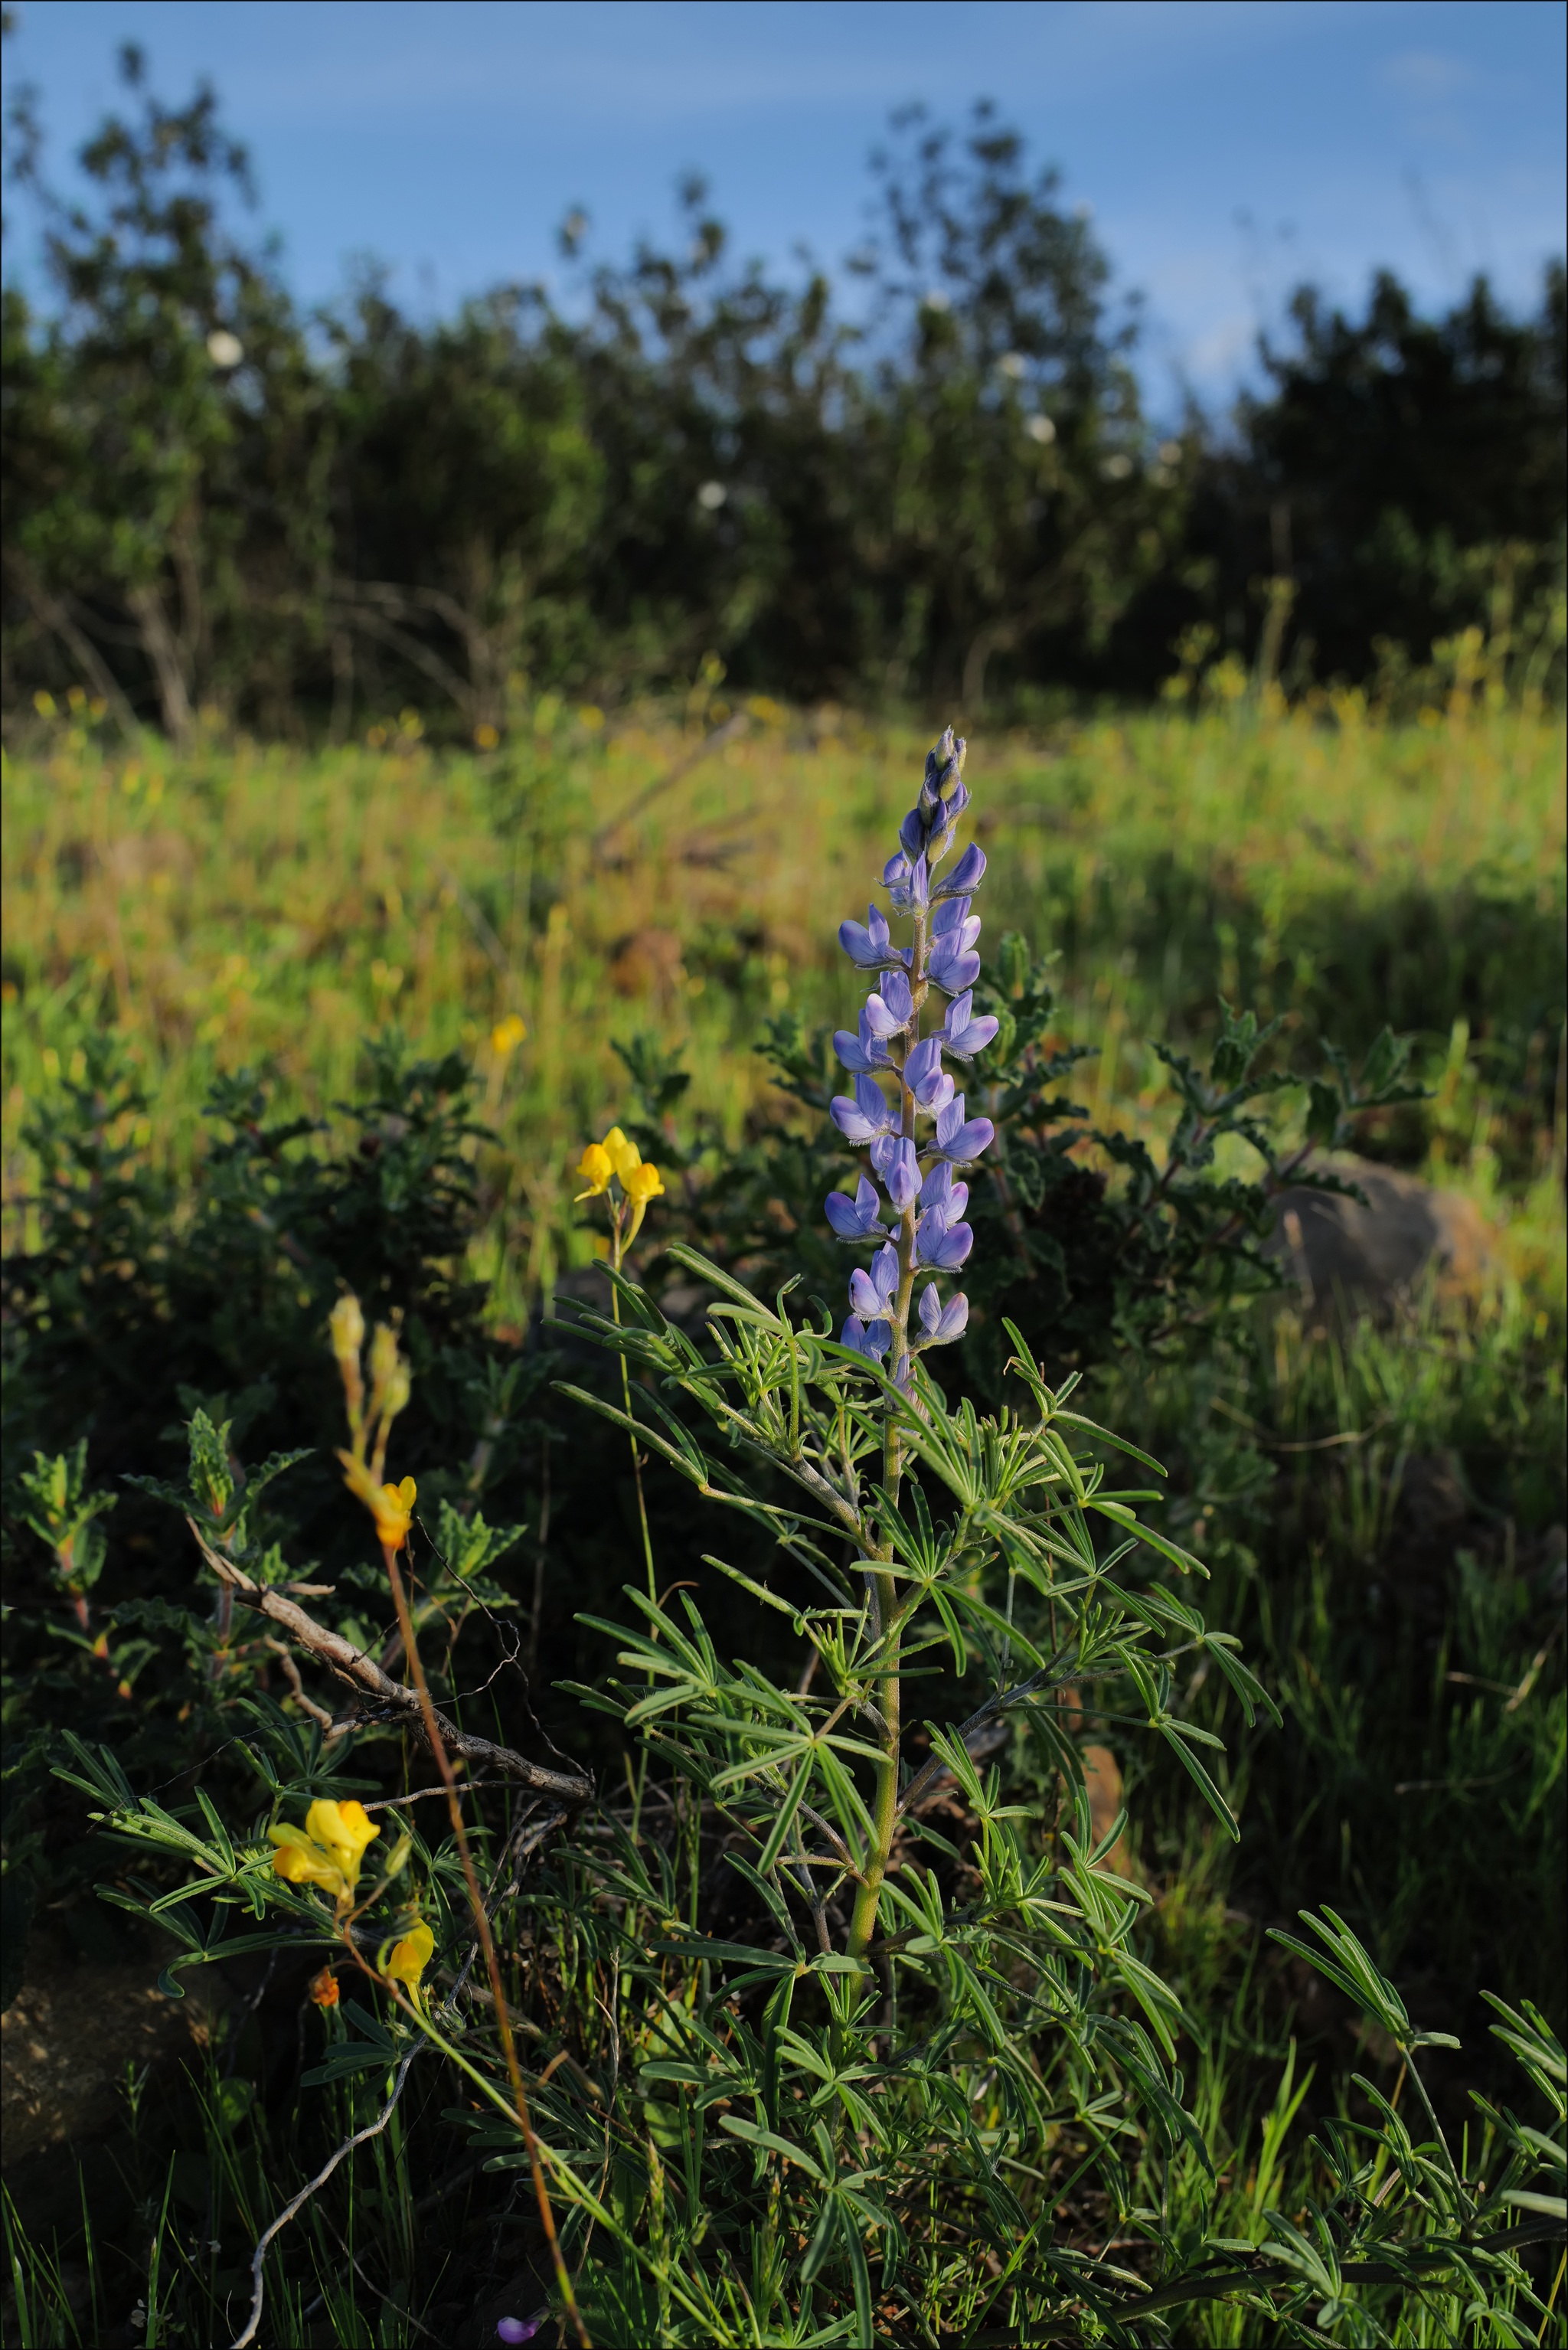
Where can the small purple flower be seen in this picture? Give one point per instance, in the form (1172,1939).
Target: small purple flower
(940,1191)
(873,1343)
(907,882)
(516,2329)
(854,1219)
(872,947)
(966,875)
(959,1138)
(924,1075)
(900,1170)
(864,1052)
(870,1114)
(891,1009)
(943,1323)
(940,1244)
(954,967)
(963,1033)
(872,1293)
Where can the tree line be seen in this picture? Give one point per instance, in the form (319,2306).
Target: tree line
(935,478)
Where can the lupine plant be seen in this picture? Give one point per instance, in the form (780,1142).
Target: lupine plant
(858,2114)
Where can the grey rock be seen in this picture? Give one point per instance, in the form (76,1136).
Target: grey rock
(1334,1248)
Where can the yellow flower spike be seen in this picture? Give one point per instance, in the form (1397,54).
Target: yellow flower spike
(507,1035)
(624,1156)
(642,1184)
(409,1958)
(594,1169)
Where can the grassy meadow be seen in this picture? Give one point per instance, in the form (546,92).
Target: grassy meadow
(266,908)
(1380,1505)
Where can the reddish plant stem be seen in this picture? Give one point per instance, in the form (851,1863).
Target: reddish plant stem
(487,1941)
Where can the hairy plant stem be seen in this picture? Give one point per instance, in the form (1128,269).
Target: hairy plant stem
(487,1939)
(885,1805)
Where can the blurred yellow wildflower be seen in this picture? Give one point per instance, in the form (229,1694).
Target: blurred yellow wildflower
(324,1988)
(328,1850)
(594,1169)
(485,737)
(625,1157)
(641,1184)
(409,1958)
(507,1034)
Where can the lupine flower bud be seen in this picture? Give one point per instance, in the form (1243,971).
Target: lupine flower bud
(902,1172)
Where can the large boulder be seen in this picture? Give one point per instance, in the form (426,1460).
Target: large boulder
(1335,1249)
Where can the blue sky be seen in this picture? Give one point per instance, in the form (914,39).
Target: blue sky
(1228,148)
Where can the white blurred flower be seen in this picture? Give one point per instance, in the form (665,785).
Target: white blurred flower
(1041,429)
(711,496)
(1117,468)
(1012,363)
(224,350)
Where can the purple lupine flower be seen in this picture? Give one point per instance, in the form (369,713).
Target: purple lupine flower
(891,1009)
(864,1052)
(872,1343)
(959,1138)
(855,1219)
(940,1244)
(966,875)
(925,1077)
(943,1323)
(953,914)
(872,1293)
(899,1169)
(954,967)
(963,1033)
(518,2329)
(871,946)
(867,1115)
(940,1191)
(908,879)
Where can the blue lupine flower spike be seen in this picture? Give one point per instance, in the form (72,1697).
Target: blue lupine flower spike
(928,1233)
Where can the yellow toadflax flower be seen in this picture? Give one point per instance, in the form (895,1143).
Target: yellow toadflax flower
(617,1159)
(328,1850)
(641,1184)
(594,1169)
(409,1958)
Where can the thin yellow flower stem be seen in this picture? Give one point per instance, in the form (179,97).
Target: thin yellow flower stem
(487,1942)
